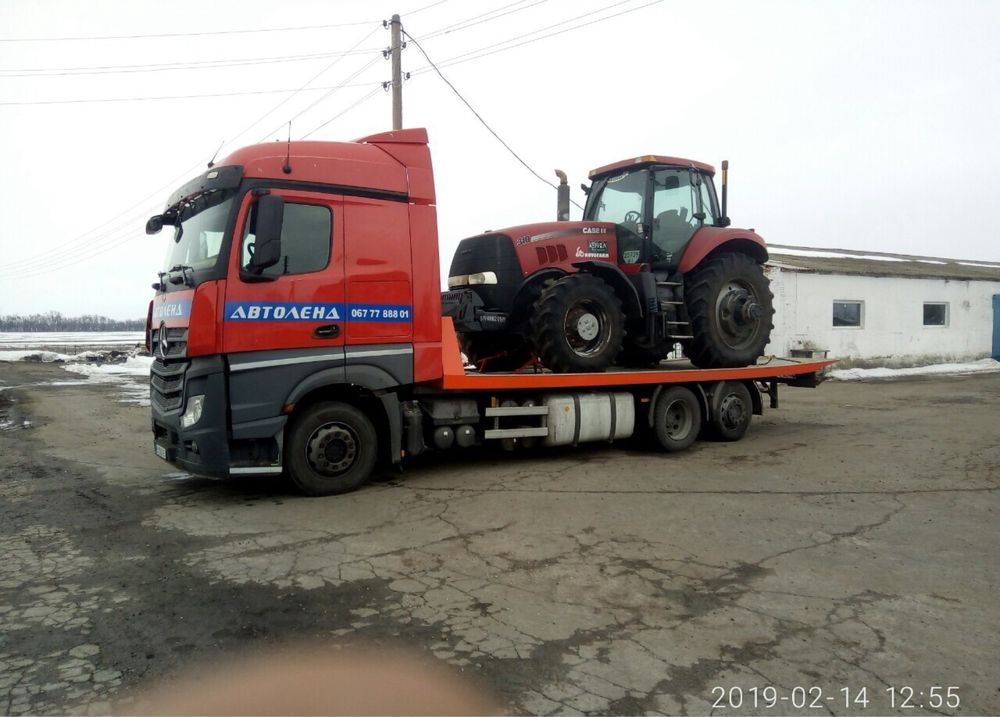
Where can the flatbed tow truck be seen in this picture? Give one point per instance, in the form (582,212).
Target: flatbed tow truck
(297,329)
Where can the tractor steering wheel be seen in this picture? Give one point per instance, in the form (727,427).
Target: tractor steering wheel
(632,217)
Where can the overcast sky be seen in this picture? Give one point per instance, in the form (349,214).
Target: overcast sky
(859,125)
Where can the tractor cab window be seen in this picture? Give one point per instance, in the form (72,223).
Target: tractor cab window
(619,199)
(681,205)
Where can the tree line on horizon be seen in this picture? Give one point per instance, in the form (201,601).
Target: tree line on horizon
(55,321)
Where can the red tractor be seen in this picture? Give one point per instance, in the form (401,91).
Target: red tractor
(652,264)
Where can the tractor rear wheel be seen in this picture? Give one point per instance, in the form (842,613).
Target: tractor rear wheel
(578,325)
(730,308)
(495,351)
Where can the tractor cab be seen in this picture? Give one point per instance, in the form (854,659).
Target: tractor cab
(658,204)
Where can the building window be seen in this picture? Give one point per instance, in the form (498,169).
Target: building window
(848,314)
(935,314)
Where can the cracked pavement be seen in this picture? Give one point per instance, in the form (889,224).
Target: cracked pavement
(848,542)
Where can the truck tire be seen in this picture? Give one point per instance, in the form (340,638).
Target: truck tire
(731,411)
(578,325)
(676,418)
(495,351)
(730,308)
(331,449)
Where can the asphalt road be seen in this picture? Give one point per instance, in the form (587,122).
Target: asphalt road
(846,550)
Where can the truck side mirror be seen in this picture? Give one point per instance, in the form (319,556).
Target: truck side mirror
(267,245)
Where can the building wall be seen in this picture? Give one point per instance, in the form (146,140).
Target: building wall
(892,323)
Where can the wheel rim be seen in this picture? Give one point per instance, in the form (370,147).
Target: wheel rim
(332,449)
(732,411)
(586,328)
(738,313)
(677,420)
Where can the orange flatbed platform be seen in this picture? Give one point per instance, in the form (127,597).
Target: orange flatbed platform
(456,377)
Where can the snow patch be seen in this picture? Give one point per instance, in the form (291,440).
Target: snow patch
(941,369)
(40,356)
(131,376)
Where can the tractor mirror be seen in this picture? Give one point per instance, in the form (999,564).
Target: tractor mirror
(155,224)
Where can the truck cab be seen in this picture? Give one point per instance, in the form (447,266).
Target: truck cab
(292,268)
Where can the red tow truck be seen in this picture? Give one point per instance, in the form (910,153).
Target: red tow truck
(297,329)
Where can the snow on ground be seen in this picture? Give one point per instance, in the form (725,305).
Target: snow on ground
(27,339)
(948,369)
(132,376)
(29,355)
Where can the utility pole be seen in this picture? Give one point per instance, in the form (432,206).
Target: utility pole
(397,79)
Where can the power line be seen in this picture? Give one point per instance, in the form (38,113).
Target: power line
(172,66)
(426,7)
(186,34)
(505,45)
(481,18)
(347,109)
(171,97)
(480,118)
(308,82)
(342,85)
(57,257)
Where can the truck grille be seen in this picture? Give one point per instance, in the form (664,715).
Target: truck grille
(176,343)
(166,384)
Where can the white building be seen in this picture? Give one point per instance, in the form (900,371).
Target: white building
(886,309)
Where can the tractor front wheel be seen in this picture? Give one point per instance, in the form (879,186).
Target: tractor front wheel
(730,308)
(578,325)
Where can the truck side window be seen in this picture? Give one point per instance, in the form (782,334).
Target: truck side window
(306,233)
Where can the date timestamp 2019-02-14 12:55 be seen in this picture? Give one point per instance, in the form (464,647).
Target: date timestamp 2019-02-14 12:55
(935,697)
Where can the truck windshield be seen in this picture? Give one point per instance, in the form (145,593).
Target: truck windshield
(198,238)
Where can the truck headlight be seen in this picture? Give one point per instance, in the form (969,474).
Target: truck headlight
(481,277)
(192,413)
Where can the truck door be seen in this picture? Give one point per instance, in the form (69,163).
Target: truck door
(287,324)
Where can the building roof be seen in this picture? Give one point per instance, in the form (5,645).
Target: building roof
(874,263)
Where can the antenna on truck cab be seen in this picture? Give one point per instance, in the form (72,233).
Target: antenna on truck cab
(211,162)
(287,167)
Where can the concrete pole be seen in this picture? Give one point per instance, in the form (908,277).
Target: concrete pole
(397,79)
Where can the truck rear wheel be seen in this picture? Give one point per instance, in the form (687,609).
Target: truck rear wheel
(577,325)
(730,308)
(676,418)
(731,411)
(331,449)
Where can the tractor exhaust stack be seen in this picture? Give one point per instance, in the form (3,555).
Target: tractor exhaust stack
(725,191)
(562,197)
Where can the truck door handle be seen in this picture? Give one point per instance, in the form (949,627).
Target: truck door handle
(328,331)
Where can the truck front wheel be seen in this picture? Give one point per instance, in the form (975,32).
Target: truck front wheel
(331,449)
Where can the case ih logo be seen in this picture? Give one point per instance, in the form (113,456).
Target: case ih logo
(595,230)
(595,250)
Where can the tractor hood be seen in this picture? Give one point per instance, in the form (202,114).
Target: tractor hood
(555,242)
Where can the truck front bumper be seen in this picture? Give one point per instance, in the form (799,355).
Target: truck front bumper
(201,448)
